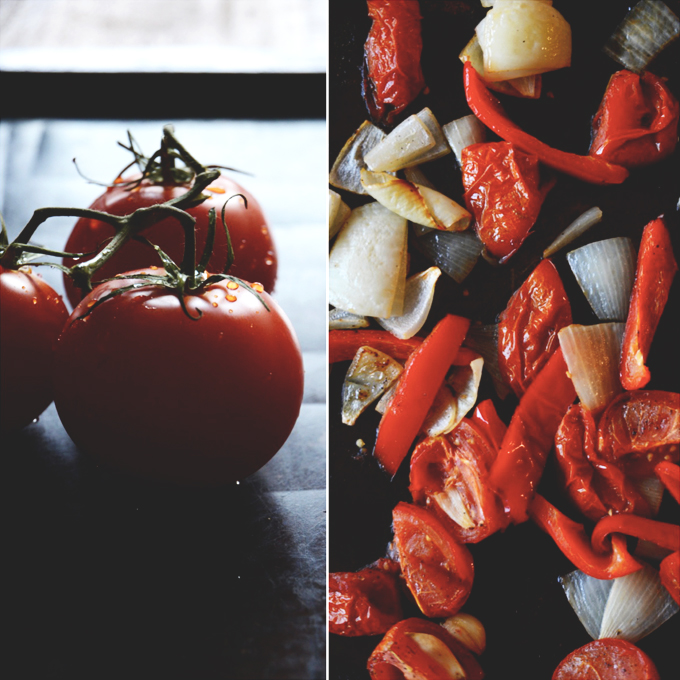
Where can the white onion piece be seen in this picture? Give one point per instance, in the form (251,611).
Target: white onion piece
(455,253)
(416,140)
(416,176)
(339,319)
(468,630)
(384,401)
(651,489)
(434,648)
(338,212)
(368,376)
(418,296)
(579,226)
(416,203)
(592,357)
(464,132)
(451,501)
(646,30)
(367,264)
(637,605)
(605,270)
(588,598)
(523,38)
(346,171)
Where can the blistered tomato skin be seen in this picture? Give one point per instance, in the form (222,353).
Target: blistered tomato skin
(146,390)
(254,250)
(31,318)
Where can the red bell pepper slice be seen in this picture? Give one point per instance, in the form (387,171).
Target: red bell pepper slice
(656,267)
(503,191)
(438,570)
(343,345)
(637,122)
(519,466)
(486,418)
(418,385)
(660,533)
(417,648)
(669,474)
(393,77)
(669,572)
(365,602)
(489,110)
(448,477)
(573,541)
(607,659)
(594,485)
(528,327)
(640,429)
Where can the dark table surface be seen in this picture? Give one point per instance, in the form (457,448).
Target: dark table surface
(110,577)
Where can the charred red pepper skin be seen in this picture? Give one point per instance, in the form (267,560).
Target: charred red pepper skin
(438,570)
(519,466)
(398,652)
(365,602)
(343,345)
(416,390)
(670,575)
(607,659)
(528,327)
(669,474)
(637,122)
(594,485)
(640,429)
(660,533)
(656,267)
(572,540)
(489,110)
(503,191)
(394,77)
(460,460)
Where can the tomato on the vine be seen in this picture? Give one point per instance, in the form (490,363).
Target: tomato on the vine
(31,318)
(201,396)
(254,250)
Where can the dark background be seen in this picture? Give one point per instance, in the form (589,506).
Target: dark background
(530,625)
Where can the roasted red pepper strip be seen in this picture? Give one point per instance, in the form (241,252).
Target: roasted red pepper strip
(669,474)
(416,648)
(594,485)
(519,466)
(418,385)
(637,122)
(438,570)
(660,533)
(572,540)
(503,191)
(607,659)
(365,602)
(489,110)
(528,327)
(487,420)
(656,267)
(394,77)
(670,575)
(343,345)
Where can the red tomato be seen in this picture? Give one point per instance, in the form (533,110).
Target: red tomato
(31,318)
(422,650)
(448,476)
(528,327)
(438,570)
(607,659)
(670,575)
(637,122)
(365,602)
(644,426)
(255,254)
(143,388)
(503,191)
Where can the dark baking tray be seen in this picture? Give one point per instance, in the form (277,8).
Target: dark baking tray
(530,626)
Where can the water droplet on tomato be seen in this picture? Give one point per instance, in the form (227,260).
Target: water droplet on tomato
(232,285)
(269,261)
(258,287)
(231,298)
(214,304)
(35,300)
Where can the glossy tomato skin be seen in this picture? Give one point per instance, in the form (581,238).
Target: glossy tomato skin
(145,389)
(31,318)
(254,250)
